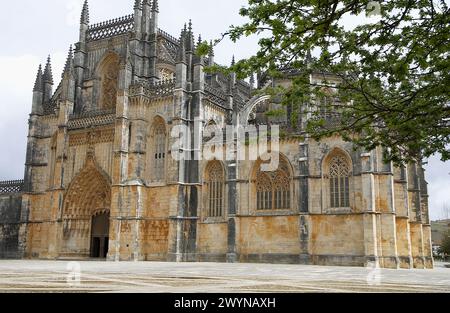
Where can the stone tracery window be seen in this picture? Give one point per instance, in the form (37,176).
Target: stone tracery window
(159,153)
(339,182)
(110,78)
(215,179)
(273,189)
(264,192)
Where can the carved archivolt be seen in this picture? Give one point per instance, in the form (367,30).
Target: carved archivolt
(88,194)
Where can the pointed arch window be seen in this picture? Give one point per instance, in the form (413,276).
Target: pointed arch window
(215,183)
(273,189)
(339,182)
(159,154)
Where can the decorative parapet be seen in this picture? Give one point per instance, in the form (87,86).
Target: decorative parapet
(111,28)
(157,90)
(91,119)
(11,186)
(168,37)
(217,96)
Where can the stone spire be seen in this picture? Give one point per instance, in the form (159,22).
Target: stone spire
(68,68)
(190,26)
(38,85)
(199,40)
(308,59)
(146,4)
(181,54)
(190,38)
(211,54)
(233,61)
(146,17)
(252,81)
(211,49)
(154,18)
(68,88)
(38,93)
(85,13)
(138,17)
(48,81)
(155,7)
(48,74)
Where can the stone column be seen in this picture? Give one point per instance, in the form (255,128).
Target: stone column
(368,209)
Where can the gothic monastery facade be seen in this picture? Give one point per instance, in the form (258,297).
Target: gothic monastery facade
(101,180)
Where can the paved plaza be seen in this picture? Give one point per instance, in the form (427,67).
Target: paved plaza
(95,276)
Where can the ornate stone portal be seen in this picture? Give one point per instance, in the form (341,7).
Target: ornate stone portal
(101,179)
(87,198)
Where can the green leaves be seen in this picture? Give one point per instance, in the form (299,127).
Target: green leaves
(394,72)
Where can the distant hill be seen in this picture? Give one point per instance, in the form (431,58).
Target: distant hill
(438,230)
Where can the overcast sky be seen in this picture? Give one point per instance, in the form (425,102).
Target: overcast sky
(30,30)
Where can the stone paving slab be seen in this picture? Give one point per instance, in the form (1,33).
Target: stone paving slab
(150,277)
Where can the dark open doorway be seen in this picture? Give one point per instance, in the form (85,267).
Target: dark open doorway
(100,235)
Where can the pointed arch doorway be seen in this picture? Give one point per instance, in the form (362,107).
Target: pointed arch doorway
(100,235)
(86,216)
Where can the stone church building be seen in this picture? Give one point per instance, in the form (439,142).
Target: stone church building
(101,180)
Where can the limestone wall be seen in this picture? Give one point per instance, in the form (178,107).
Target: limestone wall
(10,211)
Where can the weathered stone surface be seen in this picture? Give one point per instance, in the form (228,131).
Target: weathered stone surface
(10,210)
(102,146)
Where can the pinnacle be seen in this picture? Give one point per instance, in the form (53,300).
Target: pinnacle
(85,13)
(155,7)
(190,26)
(38,83)
(69,62)
(48,74)
(137,5)
(211,48)
(252,80)
(181,56)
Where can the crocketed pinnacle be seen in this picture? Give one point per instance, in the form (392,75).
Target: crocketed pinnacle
(48,74)
(211,49)
(68,68)
(38,86)
(181,53)
(137,5)
(190,26)
(252,80)
(85,13)
(146,3)
(155,7)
